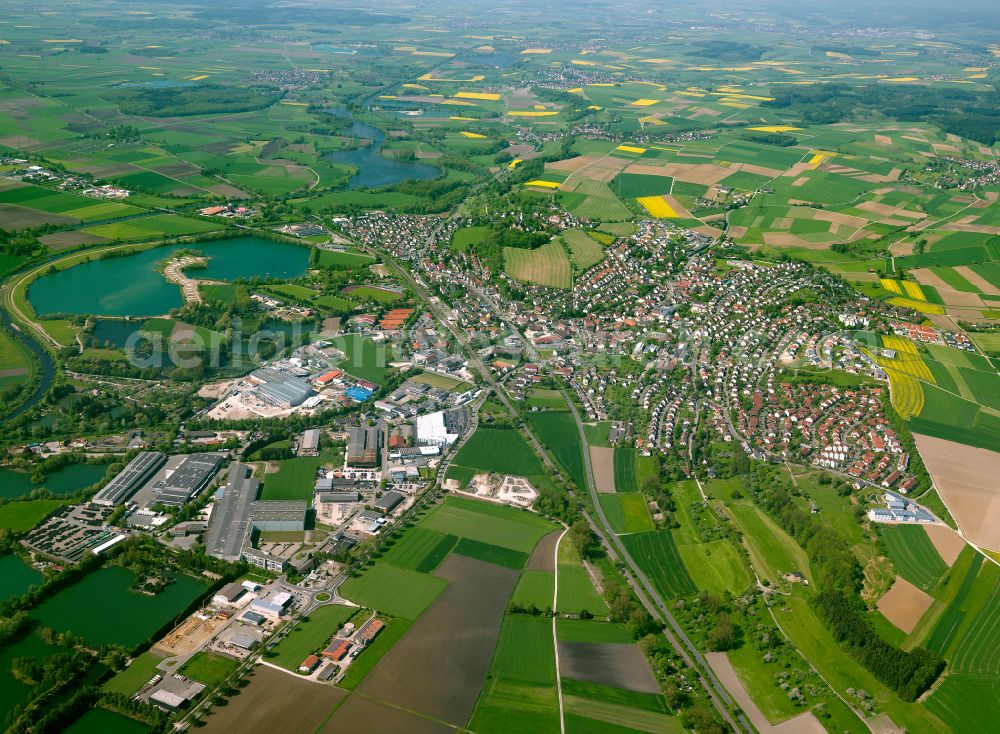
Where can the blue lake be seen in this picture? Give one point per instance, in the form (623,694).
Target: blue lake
(132,286)
(373,169)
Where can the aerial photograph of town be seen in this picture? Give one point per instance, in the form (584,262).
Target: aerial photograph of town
(551,367)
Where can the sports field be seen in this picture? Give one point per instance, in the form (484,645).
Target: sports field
(294,479)
(209,668)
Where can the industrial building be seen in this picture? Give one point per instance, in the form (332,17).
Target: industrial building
(309,443)
(229,524)
(363,446)
(187,479)
(280,388)
(229,594)
(263,559)
(279,515)
(173,692)
(389,501)
(136,473)
(441,428)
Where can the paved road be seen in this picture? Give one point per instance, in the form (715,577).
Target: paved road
(555,638)
(654,602)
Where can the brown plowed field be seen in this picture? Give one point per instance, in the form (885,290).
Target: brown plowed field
(361,715)
(904,604)
(618,665)
(946,541)
(603,462)
(275,702)
(965,478)
(438,668)
(543,558)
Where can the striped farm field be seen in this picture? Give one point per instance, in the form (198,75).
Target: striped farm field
(657,207)
(656,554)
(906,394)
(584,249)
(625,470)
(891,285)
(914,555)
(913,290)
(548,265)
(906,360)
(920,306)
(977,648)
(899,344)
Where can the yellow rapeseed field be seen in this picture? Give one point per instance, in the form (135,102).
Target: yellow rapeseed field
(631,149)
(544,184)
(891,285)
(774,128)
(531,113)
(657,207)
(920,306)
(644,102)
(514,163)
(905,393)
(913,290)
(899,344)
(487,96)
(474,136)
(429,77)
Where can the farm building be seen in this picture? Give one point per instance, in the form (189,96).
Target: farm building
(337,650)
(369,631)
(309,664)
